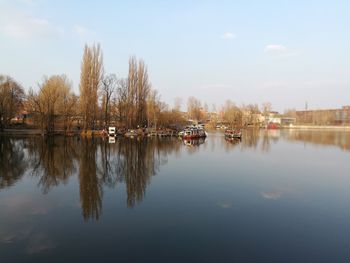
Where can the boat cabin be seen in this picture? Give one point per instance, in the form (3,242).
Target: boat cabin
(111,131)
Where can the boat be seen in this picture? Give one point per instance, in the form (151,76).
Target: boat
(130,134)
(111,131)
(233,133)
(193,133)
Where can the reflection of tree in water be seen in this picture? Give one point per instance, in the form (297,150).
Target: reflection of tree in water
(90,184)
(254,139)
(265,144)
(250,138)
(138,160)
(12,161)
(52,160)
(128,161)
(321,137)
(231,143)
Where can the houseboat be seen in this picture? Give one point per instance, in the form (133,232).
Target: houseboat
(193,133)
(233,134)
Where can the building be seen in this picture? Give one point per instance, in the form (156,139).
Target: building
(324,116)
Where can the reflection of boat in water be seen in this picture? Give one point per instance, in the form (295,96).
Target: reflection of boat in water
(233,134)
(194,132)
(193,142)
(233,140)
(272,126)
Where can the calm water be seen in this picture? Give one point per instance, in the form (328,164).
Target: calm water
(279,196)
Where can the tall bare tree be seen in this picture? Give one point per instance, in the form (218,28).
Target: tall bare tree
(90,80)
(138,90)
(132,89)
(143,88)
(121,101)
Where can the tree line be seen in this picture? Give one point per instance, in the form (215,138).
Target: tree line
(126,102)
(105,99)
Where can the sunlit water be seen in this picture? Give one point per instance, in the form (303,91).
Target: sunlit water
(277,196)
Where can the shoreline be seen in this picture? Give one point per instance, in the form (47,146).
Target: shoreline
(37,132)
(316,127)
(88,134)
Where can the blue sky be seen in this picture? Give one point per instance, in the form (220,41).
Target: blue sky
(284,52)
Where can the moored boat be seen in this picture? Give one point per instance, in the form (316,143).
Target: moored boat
(193,133)
(233,133)
(111,131)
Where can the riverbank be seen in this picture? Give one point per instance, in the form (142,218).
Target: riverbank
(90,133)
(160,133)
(20,132)
(315,127)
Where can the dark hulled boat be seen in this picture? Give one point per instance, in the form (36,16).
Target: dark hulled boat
(233,133)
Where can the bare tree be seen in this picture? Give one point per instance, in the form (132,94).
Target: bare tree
(194,108)
(153,108)
(11,98)
(90,80)
(108,88)
(143,88)
(121,101)
(177,104)
(250,116)
(266,108)
(53,98)
(132,89)
(232,114)
(138,89)
(67,108)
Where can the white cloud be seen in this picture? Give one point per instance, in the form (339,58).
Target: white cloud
(83,33)
(21,25)
(279,50)
(272,48)
(28,2)
(228,35)
(271,195)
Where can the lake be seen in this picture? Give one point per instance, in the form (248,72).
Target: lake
(274,196)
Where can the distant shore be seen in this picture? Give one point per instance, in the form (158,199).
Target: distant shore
(316,127)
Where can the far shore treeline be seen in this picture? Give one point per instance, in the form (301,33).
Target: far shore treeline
(125,102)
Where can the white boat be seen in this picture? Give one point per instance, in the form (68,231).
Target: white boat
(193,132)
(111,131)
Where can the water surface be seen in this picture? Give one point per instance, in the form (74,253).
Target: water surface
(274,196)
